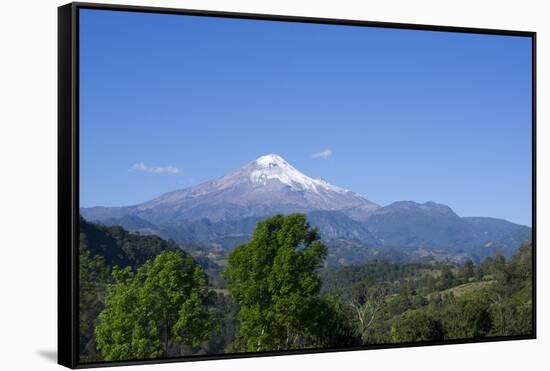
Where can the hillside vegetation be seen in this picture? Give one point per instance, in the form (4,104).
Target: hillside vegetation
(144,297)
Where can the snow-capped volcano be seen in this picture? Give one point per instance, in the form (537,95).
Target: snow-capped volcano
(274,167)
(261,187)
(223,213)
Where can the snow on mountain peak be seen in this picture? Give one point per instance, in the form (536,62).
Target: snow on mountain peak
(275,167)
(271,160)
(265,186)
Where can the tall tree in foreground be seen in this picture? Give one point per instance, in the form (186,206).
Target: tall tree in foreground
(161,305)
(274,279)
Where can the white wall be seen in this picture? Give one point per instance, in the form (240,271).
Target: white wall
(28,151)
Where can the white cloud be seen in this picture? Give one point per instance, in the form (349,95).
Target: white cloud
(155,170)
(324,154)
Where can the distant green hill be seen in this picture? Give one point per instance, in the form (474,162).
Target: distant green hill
(120,247)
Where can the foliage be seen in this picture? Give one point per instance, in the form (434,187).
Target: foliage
(142,297)
(467,270)
(493,298)
(366,304)
(120,247)
(93,278)
(274,279)
(512,304)
(467,318)
(417,325)
(148,312)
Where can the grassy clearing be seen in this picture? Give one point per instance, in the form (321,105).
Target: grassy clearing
(467,288)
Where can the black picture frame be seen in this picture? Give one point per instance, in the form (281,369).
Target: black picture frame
(68,174)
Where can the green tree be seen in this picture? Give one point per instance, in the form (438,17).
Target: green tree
(331,324)
(479,273)
(468,317)
(511,317)
(274,279)
(511,295)
(417,325)
(163,304)
(467,270)
(93,279)
(522,262)
(500,270)
(447,278)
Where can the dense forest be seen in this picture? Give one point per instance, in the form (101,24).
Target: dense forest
(145,297)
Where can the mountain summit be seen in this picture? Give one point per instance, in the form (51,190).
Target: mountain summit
(274,168)
(262,187)
(223,212)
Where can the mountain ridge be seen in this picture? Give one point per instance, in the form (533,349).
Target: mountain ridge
(222,213)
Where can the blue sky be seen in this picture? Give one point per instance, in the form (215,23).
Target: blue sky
(169,101)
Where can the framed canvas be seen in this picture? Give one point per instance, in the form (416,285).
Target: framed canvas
(241,185)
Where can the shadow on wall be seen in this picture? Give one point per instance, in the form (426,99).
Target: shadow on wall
(50,355)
